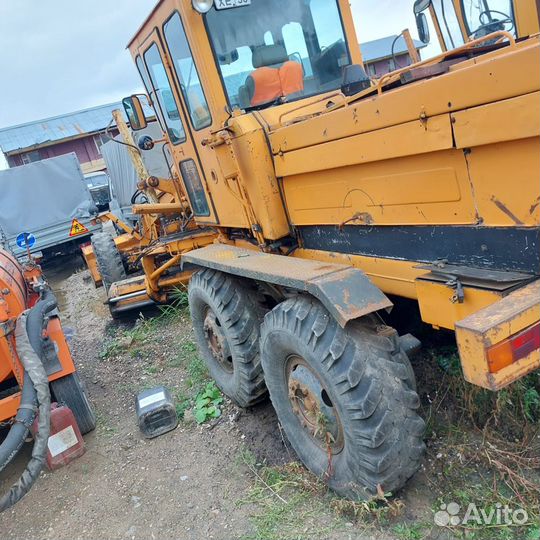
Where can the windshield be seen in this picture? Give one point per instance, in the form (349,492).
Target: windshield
(485,16)
(278,50)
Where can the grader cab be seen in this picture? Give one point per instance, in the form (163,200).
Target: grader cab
(329,195)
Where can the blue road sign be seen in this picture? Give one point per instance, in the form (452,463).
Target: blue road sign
(25,240)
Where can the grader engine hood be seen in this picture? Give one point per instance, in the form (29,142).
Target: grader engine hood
(426,171)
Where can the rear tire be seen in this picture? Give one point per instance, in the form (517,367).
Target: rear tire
(70,391)
(227,313)
(108,258)
(343,399)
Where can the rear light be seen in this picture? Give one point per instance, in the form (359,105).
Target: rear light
(513,348)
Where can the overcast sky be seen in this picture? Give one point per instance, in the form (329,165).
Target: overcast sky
(59,56)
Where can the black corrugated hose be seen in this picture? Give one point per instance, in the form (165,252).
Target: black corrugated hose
(28,335)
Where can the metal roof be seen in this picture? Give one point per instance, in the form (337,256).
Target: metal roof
(382,48)
(58,128)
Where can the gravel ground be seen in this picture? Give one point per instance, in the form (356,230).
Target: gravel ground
(184,484)
(234,478)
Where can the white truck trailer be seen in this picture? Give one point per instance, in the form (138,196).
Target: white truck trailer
(45,208)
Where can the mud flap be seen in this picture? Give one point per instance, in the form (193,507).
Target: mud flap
(346,292)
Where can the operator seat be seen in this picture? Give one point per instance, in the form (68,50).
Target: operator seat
(275,76)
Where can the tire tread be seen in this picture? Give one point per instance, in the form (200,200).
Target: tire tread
(368,372)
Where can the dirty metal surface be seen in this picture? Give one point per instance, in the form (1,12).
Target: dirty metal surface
(515,249)
(345,291)
(475,277)
(492,325)
(476,273)
(525,299)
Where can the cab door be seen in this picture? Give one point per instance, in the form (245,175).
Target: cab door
(156,75)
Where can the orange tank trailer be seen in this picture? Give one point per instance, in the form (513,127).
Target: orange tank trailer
(17,295)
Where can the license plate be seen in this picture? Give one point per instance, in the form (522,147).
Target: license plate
(228,4)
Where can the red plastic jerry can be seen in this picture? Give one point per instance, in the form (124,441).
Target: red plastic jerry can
(65,440)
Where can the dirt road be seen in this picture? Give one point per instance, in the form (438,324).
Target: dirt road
(228,479)
(185,484)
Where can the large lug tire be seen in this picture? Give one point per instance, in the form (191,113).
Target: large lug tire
(227,313)
(70,391)
(343,397)
(108,258)
(389,338)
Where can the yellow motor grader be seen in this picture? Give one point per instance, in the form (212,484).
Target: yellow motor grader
(329,195)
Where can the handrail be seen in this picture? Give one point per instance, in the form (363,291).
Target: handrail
(435,60)
(305,105)
(390,77)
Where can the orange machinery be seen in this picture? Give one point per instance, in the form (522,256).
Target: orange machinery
(30,330)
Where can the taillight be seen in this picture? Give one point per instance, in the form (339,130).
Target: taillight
(513,348)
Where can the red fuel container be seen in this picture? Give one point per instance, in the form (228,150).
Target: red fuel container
(65,440)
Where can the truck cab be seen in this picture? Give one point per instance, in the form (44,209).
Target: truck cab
(203,68)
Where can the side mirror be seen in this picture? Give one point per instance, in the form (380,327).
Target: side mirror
(421,5)
(423,28)
(135,112)
(146,142)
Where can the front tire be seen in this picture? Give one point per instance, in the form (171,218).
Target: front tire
(108,259)
(343,398)
(227,313)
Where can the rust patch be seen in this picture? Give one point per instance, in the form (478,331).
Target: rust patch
(503,208)
(364,217)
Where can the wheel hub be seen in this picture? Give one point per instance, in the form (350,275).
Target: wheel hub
(312,405)
(217,343)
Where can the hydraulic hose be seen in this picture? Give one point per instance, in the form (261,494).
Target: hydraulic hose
(21,426)
(28,335)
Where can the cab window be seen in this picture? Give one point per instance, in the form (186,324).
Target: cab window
(272,51)
(164,95)
(193,183)
(186,72)
(487,16)
(150,91)
(448,23)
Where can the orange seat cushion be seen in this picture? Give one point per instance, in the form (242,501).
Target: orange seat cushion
(267,85)
(272,83)
(292,78)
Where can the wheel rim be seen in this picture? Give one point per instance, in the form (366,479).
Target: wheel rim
(217,343)
(312,405)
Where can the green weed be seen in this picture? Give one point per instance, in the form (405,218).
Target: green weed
(513,411)
(413,531)
(207,403)
(179,297)
(104,424)
(110,349)
(150,370)
(183,403)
